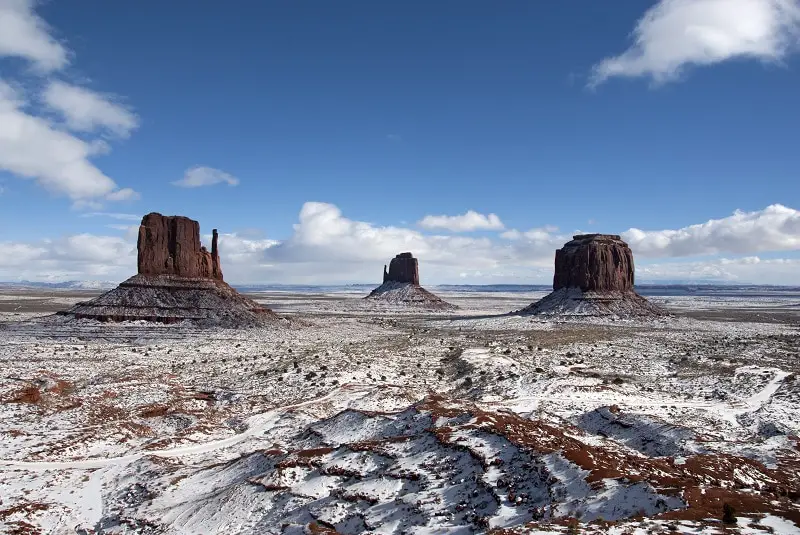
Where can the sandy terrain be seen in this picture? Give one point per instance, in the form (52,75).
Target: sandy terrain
(360,417)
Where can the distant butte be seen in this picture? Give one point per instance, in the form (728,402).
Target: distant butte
(178,280)
(401,286)
(594,276)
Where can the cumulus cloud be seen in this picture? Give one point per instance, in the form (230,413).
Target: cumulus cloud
(675,34)
(82,256)
(25,35)
(534,234)
(467,222)
(31,147)
(88,111)
(775,228)
(199,176)
(327,246)
(749,269)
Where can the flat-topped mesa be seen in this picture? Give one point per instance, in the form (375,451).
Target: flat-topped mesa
(594,263)
(594,277)
(170,245)
(402,268)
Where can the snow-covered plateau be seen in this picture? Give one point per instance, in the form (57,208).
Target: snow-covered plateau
(369,417)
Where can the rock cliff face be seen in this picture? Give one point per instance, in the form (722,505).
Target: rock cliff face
(593,277)
(170,245)
(403,268)
(594,263)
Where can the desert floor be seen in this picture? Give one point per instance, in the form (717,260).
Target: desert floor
(353,418)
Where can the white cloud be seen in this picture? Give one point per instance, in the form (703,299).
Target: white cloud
(87,111)
(674,34)
(775,228)
(124,194)
(325,247)
(462,223)
(31,147)
(749,269)
(328,247)
(82,256)
(199,176)
(113,215)
(25,35)
(540,234)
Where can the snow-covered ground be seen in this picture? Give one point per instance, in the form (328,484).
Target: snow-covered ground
(365,418)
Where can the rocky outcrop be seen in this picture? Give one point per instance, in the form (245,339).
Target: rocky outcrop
(594,276)
(594,263)
(178,280)
(170,245)
(403,268)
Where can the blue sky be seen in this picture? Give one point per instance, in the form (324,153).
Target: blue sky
(331,131)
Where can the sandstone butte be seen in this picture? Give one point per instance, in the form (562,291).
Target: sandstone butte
(594,276)
(402,268)
(594,263)
(178,279)
(171,246)
(401,286)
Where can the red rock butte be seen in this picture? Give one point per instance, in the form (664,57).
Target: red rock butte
(402,268)
(594,276)
(178,280)
(171,246)
(401,286)
(594,263)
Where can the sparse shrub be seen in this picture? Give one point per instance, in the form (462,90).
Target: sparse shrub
(618,380)
(572,527)
(728,514)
